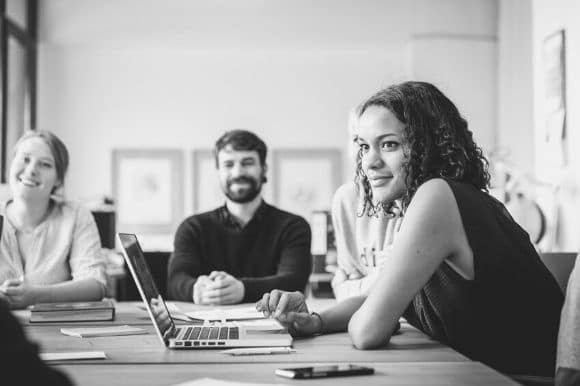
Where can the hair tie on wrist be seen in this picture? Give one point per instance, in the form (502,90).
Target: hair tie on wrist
(321,322)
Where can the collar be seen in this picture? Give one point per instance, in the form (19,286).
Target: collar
(230,220)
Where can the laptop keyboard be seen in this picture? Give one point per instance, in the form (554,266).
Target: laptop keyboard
(211,333)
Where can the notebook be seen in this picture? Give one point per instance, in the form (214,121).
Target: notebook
(72,312)
(208,335)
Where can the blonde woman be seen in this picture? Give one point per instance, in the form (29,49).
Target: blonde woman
(50,248)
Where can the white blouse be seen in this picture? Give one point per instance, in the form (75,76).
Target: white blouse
(362,242)
(65,246)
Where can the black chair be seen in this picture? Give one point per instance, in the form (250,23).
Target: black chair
(568,360)
(560,264)
(157,262)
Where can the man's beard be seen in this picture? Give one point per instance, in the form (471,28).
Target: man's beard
(244,195)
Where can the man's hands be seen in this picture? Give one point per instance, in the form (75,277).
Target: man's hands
(289,308)
(17,293)
(218,288)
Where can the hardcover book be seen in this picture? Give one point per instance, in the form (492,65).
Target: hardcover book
(72,312)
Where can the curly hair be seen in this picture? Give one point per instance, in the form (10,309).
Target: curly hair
(436,142)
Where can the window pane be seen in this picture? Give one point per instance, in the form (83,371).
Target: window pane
(16,11)
(17,98)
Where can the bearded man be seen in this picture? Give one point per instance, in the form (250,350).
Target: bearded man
(246,247)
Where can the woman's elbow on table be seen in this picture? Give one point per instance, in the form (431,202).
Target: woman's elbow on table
(366,336)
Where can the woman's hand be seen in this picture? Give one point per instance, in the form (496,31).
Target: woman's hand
(18,293)
(289,308)
(339,277)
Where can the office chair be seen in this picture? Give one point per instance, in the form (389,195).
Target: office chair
(568,357)
(565,267)
(560,264)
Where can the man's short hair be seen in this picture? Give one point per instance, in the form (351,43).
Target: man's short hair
(242,140)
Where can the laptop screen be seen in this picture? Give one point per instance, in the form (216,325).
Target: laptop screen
(156,307)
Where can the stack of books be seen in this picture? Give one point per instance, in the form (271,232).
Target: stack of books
(73,312)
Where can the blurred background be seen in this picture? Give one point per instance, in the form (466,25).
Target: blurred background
(139,90)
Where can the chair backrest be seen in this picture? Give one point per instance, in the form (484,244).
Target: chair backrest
(568,359)
(157,262)
(560,264)
(105,221)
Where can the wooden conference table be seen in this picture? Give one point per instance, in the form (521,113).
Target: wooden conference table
(411,358)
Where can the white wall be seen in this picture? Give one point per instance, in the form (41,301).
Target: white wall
(176,74)
(548,17)
(515,97)
(521,126)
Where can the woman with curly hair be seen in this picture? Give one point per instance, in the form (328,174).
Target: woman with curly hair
(461,269)
(363,242)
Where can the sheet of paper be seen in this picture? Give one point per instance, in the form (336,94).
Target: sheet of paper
(72,355)
(87,332)
(262,324)
(174,311)
(227,314)
(171,307)
(219,382)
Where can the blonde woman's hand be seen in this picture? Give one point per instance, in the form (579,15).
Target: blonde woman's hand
(18,293)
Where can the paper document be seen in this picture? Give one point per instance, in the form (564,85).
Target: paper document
(227,314)
(262,324)
(174,311)
(90,332)
(72,355)
(171,307)
(219,382)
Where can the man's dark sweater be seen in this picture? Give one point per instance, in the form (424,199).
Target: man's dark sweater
(271,252)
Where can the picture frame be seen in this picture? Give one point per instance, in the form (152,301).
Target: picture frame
(306,179)
(148,189)
(207,190)
(554,101)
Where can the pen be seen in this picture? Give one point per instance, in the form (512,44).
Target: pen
(259,351)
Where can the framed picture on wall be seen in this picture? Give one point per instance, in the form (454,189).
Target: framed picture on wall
(306,179)
(148,189)
(554,74)
(207,191)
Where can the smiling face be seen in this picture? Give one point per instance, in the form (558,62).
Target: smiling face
(380,139)
(241,174)
(33,173)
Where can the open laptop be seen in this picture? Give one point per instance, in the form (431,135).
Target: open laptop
(209,335)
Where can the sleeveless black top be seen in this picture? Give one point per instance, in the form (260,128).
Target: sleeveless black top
(508,316)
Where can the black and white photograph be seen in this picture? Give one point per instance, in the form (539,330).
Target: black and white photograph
(252,192)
